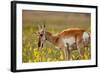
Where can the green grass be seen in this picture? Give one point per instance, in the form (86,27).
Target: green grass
(55,23)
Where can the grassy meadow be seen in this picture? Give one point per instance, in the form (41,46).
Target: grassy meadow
(55,22)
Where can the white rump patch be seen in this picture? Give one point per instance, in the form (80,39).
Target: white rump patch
(86,36)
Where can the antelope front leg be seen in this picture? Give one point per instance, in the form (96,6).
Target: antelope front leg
(67,52)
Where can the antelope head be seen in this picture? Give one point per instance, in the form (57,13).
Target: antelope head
(42,36)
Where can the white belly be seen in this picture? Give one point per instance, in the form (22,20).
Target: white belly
(69,40)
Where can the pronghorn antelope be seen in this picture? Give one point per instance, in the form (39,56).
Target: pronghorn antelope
(66,40)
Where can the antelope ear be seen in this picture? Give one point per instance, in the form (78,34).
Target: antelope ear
(44,26)
(44,22)
(39,27)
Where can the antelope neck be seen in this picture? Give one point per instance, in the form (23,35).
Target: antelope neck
(51,38)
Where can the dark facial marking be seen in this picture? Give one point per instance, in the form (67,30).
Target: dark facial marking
(41,35)
(39,43)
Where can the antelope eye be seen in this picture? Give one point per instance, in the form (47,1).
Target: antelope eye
(41,34)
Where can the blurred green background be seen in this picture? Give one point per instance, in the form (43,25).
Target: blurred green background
(55,22)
